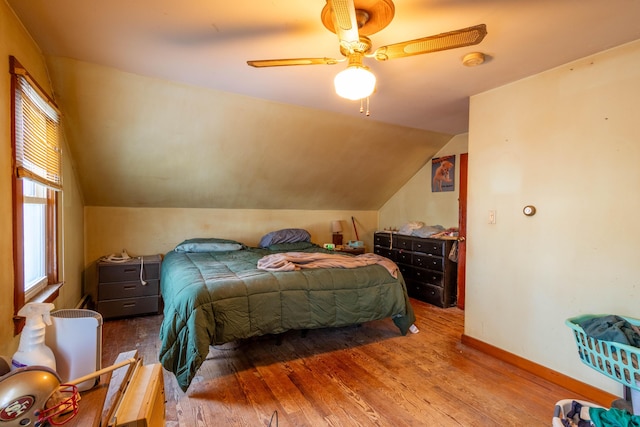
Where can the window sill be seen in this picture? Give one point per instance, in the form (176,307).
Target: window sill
(48,294)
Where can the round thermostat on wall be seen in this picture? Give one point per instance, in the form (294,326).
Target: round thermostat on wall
(529,210)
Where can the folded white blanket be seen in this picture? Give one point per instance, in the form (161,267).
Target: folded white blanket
(289,261)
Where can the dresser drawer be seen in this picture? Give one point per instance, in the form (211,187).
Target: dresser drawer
(435,278)
(385,252)
(428,262)
(433,247)
(404,243)
(121,290)
(427,293)
(129,306)
(382,239)
(406,270)
(404,257)
(127,272)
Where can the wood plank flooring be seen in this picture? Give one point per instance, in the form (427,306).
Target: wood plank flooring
(366,375)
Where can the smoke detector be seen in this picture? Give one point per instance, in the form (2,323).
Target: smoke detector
(472,59)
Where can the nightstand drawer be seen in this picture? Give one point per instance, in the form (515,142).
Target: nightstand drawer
(129,306)
(127,272)
(121,290)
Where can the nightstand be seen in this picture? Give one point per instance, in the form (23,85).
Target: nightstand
(350,250)
(123,292)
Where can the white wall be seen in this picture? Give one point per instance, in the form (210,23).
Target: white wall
(566,141)
(415,201)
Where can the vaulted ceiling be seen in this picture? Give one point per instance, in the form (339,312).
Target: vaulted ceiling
(161,109)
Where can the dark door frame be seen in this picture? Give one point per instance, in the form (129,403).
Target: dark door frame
(462,230)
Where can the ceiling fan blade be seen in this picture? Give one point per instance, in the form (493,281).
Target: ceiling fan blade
(293,61)
(444,41)
(345,23)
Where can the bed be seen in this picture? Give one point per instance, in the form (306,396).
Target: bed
(214,293)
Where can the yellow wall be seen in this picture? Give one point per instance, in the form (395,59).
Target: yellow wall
(15,41)
(566,141)
(145,231)
(415,201)
(144,142)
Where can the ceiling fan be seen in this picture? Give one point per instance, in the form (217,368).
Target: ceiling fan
(353,21)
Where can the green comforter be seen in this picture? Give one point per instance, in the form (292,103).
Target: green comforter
(218,297)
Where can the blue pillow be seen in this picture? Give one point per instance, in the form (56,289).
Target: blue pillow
(209,245)
(287,235)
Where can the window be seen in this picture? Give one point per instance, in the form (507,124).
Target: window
(37,188)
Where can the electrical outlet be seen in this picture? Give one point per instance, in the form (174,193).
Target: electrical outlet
(492,217)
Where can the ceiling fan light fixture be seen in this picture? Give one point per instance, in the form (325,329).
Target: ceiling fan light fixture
(356,82)
(352,21)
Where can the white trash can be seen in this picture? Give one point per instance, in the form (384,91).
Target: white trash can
(75,337)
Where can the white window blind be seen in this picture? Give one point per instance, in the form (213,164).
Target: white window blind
(38,154)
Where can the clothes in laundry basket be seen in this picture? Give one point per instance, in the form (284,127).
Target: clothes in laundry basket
(612,328)
(613,417)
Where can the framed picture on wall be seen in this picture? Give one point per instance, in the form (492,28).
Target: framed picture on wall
(443,174)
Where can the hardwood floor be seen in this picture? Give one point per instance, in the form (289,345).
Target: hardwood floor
(353,376)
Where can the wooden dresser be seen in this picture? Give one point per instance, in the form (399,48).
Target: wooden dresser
(123,292)
(425,265)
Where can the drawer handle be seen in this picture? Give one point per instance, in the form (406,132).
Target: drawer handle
(130,288)
(129,305)
(130,270)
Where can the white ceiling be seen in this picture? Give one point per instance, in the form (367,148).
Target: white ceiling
(207,43)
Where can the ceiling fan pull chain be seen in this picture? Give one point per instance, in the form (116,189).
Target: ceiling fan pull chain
(362,107)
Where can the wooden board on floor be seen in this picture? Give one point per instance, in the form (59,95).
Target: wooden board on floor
(119,380)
